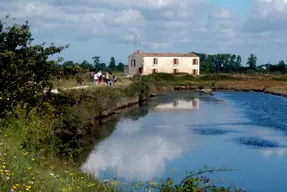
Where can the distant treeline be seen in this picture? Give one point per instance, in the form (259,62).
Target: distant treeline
(73,69)
(231,63)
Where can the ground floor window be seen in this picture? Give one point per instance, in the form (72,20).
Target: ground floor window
(195,72)
(175,70)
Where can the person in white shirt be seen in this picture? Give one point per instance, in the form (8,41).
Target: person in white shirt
(99,74)
(96,78)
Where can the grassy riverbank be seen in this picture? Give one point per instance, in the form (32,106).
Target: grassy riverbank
(273,84)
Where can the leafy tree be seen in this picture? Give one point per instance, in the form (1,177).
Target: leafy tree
(238,62)
(281,66)
(25,68)
(121,66)
(68,63)
(96,60)
(251,61)
(112,65)
(86,65)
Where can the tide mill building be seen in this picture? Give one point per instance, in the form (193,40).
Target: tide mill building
(147,62)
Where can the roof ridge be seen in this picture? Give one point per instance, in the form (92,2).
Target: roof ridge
(167,54)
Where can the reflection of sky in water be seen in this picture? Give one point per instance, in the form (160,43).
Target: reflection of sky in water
(219,133)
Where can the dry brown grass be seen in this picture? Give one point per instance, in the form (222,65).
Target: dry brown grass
(267,84)
(68,83)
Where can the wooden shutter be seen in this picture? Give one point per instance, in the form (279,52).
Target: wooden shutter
(154,61)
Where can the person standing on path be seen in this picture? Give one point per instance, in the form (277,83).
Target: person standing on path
(92,78)
(96,78)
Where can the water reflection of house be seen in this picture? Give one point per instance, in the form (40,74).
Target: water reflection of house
(178,105)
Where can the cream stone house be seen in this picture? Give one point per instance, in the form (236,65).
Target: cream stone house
(146,63)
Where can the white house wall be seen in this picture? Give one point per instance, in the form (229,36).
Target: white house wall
(139,62)
(165,65)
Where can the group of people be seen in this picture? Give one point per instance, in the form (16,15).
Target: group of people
(98,78)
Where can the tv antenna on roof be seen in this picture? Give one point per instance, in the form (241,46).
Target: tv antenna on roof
(137,42)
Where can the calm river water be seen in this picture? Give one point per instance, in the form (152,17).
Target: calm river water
(185,131)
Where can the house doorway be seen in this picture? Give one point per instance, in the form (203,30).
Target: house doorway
(195,72)
(140,70)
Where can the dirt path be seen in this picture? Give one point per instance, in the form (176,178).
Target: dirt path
(78,87)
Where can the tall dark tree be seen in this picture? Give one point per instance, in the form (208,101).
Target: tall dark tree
(281,66)
(96,60)
(251,61)
(112,65)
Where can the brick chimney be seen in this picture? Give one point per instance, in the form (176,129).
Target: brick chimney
(138,51)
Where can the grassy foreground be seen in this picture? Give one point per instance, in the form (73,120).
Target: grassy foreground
(41,146)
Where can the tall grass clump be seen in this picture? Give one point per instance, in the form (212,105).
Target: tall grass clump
(28,160)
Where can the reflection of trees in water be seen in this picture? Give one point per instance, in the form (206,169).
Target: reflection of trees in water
(95,132)
(137,112)
(99,130)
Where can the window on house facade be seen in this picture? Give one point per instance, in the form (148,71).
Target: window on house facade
(154,61)
(133,63)
(175,61)
(195,72)
(195,61)
(175,70)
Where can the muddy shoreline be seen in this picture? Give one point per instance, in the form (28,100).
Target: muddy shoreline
(222,89)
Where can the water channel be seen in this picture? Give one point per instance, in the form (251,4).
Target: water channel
(185,131)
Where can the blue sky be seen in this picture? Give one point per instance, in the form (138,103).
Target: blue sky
(107,28)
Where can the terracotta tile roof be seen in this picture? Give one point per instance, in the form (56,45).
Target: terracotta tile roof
(149,54)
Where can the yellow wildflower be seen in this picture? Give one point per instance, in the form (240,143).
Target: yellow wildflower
(28,188)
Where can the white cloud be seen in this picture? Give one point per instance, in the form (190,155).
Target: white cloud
(159,45)
(129,17)
(223,13)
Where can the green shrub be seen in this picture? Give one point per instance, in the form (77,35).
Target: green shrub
(217,77)
(186,78)
(163,77)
